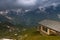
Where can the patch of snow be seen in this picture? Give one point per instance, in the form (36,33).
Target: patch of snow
(42,8)
(6,39)
(15,34)
(8,17)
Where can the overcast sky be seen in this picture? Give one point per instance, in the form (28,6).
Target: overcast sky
(28,3)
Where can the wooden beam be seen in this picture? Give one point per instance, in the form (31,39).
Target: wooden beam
(48,31)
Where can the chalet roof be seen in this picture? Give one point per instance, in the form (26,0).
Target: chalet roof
(55,25)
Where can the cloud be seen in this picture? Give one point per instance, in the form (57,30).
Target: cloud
(44,0)
(58,16)
(47,3)
(27,10)
(42,8)
(54,4)
(3,12)
(26,2)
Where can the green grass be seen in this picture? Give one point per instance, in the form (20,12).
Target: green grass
(43,38)
(33,35)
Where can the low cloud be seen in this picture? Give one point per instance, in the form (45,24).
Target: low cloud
(9,18)
(58,16)
(26,2)
(29,3)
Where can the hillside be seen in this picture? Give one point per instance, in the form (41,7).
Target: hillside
(32,17)
(7,29)
(23,33)
(32,34)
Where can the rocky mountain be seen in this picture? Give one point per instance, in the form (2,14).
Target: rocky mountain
(32,17)
(3,18)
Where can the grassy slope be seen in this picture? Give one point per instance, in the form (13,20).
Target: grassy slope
(43,38)
(33,35)
(30,34)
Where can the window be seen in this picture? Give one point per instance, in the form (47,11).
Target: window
(45,29)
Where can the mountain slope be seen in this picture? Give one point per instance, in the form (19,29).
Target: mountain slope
(32,17)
